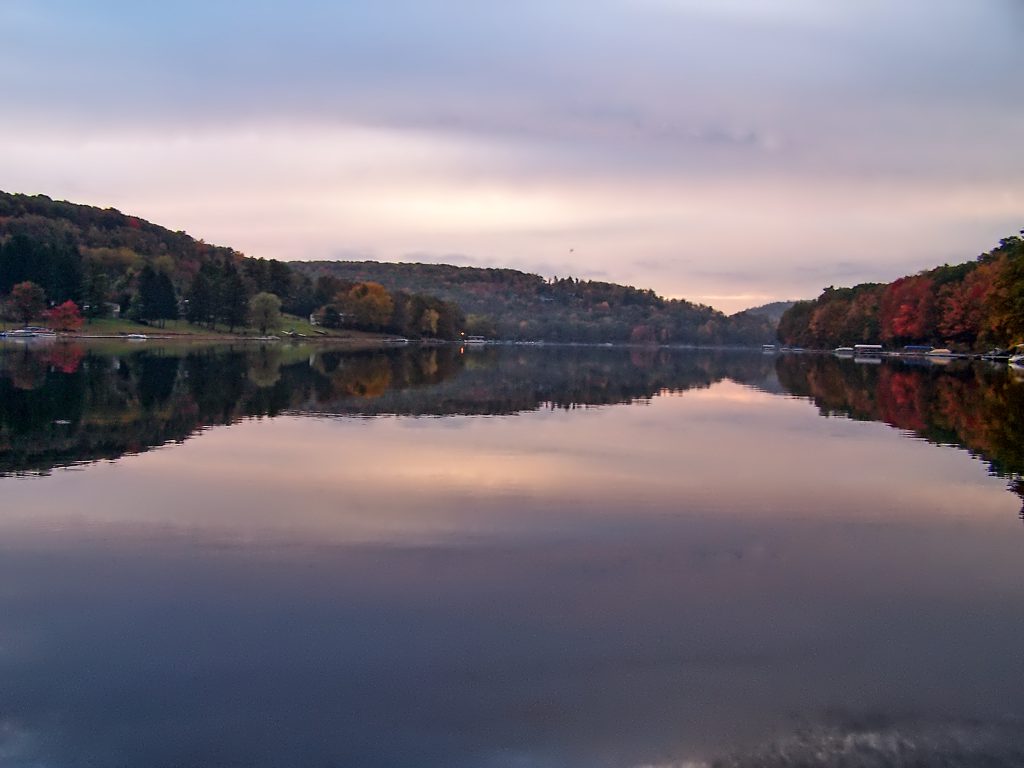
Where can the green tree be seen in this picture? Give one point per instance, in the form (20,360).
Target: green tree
(202,298)
(279,279)
(265,311)
(234,297)
(96,291)
(156,299)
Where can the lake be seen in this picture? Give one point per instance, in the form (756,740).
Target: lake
(508,556)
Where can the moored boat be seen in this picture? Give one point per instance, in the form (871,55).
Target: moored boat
(868,350)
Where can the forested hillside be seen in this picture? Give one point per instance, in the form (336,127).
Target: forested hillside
(974,305)
(59,259)
(509,304)
(773,311)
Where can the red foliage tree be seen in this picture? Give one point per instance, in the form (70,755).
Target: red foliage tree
(65,317)
(962,306)
(27,301)
(66,358)
(907,310)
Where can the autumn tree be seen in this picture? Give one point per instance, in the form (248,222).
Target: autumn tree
(907,309)
(795,323)
(1006,304)
(369,305)
(27,301)
(65,317)
(961,306)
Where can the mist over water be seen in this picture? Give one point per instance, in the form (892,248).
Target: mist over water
(506,557)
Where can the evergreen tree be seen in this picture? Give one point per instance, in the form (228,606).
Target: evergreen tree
(145,305)
(202,297)
(234,297)
(165,300)
(95,291)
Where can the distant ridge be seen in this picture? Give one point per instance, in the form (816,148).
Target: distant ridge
(94,256)
(510,304)
(773,311)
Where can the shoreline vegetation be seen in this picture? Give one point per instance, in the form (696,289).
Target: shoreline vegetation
(70,264)
(66,403)
(67,266)
(968,307)
(182,331)
(85,271)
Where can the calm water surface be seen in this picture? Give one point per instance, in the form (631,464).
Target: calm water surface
(510,557)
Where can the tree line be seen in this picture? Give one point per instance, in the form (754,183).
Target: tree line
(974,305)
(98,262)
(370,306)
(514,305)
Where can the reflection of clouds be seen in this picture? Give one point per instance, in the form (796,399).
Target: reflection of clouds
(925,743)
(704,451)
(18,746)
(579,648)
(361,129)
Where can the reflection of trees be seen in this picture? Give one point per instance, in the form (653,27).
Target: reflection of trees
(27,370)
(104,405)
(443,382)
(976,407)
(265,366)
(60,405)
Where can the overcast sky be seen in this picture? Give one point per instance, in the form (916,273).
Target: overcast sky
(730,152)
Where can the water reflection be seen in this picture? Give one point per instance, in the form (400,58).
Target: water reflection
(62,404)
(714,575)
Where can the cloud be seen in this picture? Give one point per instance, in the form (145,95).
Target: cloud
(665,132)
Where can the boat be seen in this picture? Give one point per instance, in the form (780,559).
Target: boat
(29,332)
(940,352)
(474,340)
(767,348)
(868,350)
(136,337)
(843,351)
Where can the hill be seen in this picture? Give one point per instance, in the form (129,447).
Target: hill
(100,258)
(973,305)
(773,311)
(94,256)
(509,304)
(105,261)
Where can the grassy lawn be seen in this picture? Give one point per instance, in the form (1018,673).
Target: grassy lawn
(290,325)
(111,327)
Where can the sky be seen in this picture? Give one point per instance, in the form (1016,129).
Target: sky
(730,152)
